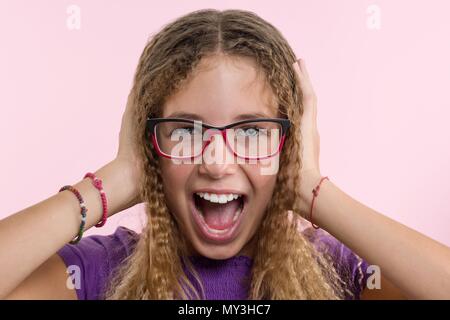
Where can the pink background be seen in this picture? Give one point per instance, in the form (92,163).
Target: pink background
(383,95)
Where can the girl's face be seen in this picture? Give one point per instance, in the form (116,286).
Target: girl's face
(223,90)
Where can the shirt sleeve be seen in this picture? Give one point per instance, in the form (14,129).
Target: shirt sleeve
(94,258)
(351,267)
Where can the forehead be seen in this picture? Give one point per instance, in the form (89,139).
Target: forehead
(221,89)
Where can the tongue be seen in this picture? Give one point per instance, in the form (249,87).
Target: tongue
(219,215)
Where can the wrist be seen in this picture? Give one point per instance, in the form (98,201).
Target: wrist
(309,180)
(119,185)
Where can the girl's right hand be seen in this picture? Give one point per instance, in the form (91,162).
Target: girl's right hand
(127,153)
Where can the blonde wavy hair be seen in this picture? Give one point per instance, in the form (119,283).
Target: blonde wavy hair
(286,265)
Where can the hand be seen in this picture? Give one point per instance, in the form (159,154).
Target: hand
(310,172)
(127,153)
(308,125)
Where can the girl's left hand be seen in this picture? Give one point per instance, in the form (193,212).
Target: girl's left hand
(308,124)
(310,171)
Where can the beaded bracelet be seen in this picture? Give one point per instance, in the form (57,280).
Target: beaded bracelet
(98,184)
(83,212)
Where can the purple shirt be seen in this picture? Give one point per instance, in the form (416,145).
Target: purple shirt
(98,256)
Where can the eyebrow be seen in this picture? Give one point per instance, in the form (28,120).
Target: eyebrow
(249,116)
(193,116)
(185,115)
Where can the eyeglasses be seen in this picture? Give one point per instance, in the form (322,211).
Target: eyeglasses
(253,139)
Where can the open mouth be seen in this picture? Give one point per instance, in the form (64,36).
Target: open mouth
(218,215)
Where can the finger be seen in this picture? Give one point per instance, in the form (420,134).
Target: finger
(306,76)
(309,92)
(299,65)
(299,73)
(304,69)
(302,75)
(306,85)
(303,81)
(308,107)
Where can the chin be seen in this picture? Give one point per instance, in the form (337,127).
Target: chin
(217,251)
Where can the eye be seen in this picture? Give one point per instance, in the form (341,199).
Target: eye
(249,131)
(184,131)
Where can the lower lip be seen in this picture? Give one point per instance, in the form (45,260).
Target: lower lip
(227,236)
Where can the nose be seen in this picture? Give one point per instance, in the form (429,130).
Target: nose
(217,159)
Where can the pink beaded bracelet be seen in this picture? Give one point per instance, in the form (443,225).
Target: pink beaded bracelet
(98,184)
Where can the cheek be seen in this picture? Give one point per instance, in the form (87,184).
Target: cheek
(173,174)
(263,188)
(174,178)
(263,184)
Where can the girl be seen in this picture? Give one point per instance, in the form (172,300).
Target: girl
(231,229)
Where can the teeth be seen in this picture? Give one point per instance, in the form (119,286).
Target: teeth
(214,198)
(215,231)
(218,198)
